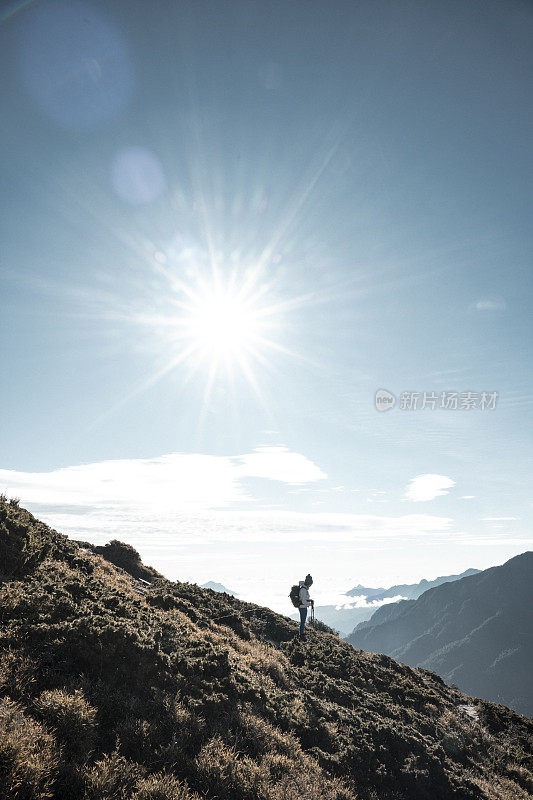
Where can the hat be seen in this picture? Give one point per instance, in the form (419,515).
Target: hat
(308,580)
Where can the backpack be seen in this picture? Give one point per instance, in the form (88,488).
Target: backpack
(295,596)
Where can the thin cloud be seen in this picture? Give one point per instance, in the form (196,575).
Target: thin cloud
(184,499)
(177,482)
(498,519)
(164,529)
(428,487)
(491,304)
(279,464)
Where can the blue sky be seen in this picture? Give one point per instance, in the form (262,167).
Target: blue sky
(345,189)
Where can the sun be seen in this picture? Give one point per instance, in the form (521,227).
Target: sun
(232,328)
(223,326)
(227,328)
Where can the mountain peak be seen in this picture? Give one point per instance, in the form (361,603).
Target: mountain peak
(218,587)
(475,631)
(407,590)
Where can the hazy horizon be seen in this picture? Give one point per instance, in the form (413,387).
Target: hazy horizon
(215,561)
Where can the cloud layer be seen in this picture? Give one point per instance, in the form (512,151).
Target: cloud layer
(178,482)
(195,517)
(196,497)
(427,487)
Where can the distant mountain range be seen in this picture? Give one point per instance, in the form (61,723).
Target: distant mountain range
(344,619)
(409,591)
(218,587)
(475,632)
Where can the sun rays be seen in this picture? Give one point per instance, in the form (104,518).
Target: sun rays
(227,329)
(224,325)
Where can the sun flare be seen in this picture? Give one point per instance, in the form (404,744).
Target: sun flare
(228,328)
(223,326)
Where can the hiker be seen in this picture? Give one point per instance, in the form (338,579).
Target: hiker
(305,602)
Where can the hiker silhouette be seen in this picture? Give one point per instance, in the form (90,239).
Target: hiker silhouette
(305,602)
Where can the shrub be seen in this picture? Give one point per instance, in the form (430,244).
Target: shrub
(266,660)
(125,556)
(184,741)
(161,734)
(28,755)
(318,625)
(134,739)
(17,675)
(311,787)
(20,549)
(112,778)
(256,736)
(72,719)
(121,555)
(222,772)
(163,786)
(521,776)
(277,766)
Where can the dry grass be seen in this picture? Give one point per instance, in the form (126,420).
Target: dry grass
(28,755)
(501,789)
(112,777)
(163,786)
(71,718)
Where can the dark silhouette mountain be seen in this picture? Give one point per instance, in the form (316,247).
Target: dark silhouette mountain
(345,620)
(475,632)
(118,687)
(409,591)
(386,612)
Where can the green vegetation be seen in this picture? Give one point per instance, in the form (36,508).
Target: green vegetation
(113,690)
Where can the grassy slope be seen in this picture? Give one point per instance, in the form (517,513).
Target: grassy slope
(111,689)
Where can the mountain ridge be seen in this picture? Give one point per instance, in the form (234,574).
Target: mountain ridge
(110,687)
(465,631)
(409,590)
(346,620)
